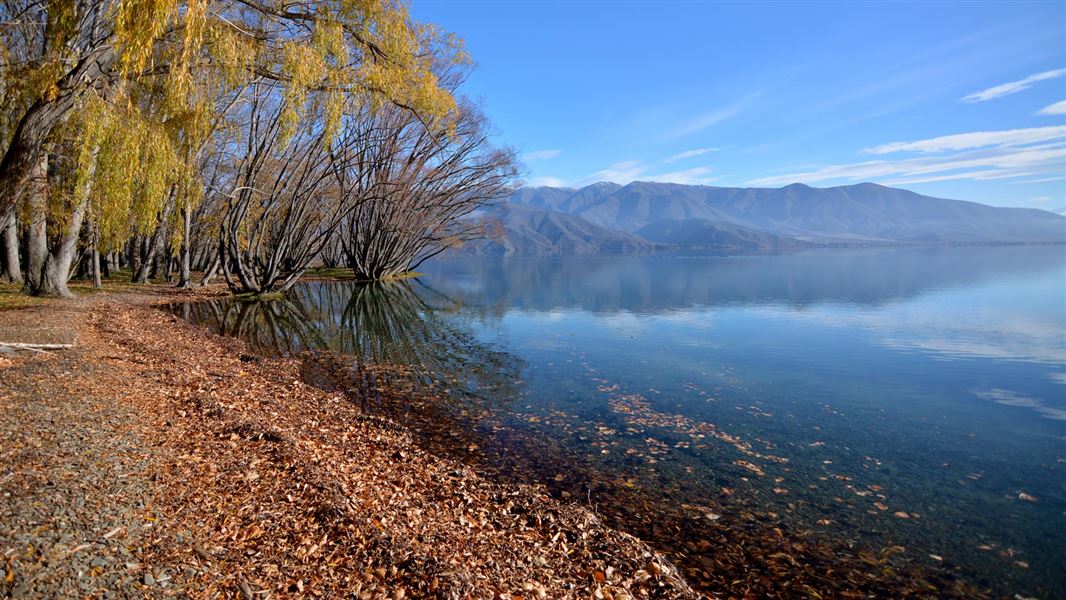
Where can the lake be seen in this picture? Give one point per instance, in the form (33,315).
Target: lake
(887,420)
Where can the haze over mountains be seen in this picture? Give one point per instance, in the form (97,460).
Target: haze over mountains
(611,218)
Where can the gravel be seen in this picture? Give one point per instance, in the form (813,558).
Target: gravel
(75,489)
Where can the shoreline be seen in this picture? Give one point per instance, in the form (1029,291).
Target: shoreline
(258,484)
(746,544)
(212,405)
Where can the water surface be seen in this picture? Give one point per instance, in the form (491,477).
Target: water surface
(902,401)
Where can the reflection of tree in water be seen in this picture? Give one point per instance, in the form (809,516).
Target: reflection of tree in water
(278,327)
(391,345)
(399,336)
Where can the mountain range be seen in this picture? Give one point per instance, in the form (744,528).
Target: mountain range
(643,216)
(524,229)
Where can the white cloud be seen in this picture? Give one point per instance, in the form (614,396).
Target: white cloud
(696,176)
(541,155)
(985,165)
(978,156)
(1041,199)
(978,175)
(1058,108)
(1012,87)
(545,182)
(620,172)
(632,170)
(690,154)
(977,139)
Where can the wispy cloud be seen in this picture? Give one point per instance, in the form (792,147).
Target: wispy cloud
(541,155)
(690,154)
(979,156)
(632,170)
(620,172)
(1058,108)
(546,181)
(1058,177)
(712,117)
(1012,87)
(977,139)
(972,175)
(695,176)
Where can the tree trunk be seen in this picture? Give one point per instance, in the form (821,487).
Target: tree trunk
(57,262)
(133,254)
(97,282)
(168,267)
(84,269)
(55,270)
(37,232)
(148,262)
(27,142)
(209,274)
(10,267)
(185,277)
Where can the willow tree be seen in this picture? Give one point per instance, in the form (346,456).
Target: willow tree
(167,63)
(414,186)
(54,53)
(284,205)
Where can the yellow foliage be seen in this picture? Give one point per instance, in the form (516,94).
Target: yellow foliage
(138,26)
(182,62)
(133,168)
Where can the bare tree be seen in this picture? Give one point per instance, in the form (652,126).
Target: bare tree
(333,253)
(284,203)
(412,186)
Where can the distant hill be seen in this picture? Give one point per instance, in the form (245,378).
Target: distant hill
(716,235)
(856,214)
(532,230)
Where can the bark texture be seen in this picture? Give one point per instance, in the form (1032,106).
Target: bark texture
(37,231)
(10,266)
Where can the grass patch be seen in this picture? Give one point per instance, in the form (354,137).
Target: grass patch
(330,273)
(346,274)
(11,297)
(402,276)
(253,297)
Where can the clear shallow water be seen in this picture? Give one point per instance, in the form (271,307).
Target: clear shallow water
(879,398)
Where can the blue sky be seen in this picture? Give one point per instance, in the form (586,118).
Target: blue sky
(958,100)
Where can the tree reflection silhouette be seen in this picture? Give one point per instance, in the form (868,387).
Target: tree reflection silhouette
(384,342)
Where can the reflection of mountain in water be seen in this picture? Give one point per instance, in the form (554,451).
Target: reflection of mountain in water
(654,284)
(396,324)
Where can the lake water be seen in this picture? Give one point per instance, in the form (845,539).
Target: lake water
(897,415)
